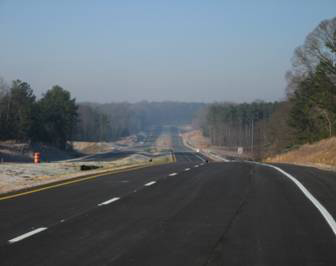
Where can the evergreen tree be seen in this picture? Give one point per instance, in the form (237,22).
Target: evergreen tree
(58,116)
(313,113)
(17,112)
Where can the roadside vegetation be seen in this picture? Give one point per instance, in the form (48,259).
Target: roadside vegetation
(263,129)
(111,121)
(57,120)
(238,125)
(307,115)
(51,119)
(321,153)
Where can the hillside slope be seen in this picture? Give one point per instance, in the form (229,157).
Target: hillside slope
(320,154)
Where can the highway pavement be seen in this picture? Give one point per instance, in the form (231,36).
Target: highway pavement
(182,153)
(184,213)
(124,151)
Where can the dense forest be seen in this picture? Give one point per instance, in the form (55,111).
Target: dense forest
(307,114)
(234,125)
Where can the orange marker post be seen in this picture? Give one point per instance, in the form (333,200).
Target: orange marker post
(37,157)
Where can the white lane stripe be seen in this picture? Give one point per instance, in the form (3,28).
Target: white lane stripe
(196,165)
(26,235)
(108,201)
(150,183)
(199,157)
(326,215)
(187,169)
(172,174)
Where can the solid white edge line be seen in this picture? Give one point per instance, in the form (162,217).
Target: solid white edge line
(26,235)
(150,183)
(108,201)
(324,212)
(173,174)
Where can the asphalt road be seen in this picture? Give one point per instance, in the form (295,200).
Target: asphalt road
(124,152)
(182,154)
(186,213)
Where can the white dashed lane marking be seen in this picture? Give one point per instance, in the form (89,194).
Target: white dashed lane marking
(150,184)
(38,230)
(108,201)
(26,235)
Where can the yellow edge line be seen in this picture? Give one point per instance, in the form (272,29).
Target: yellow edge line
(71,182)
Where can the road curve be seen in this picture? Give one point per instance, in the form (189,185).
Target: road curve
(192,213)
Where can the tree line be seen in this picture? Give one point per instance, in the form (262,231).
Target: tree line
(56,118)
(312,85)
(110,121)
(51,119)
(236,124)
(307,114)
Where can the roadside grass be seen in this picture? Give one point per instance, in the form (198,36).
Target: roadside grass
(31,175)
(321,153)
(15,177)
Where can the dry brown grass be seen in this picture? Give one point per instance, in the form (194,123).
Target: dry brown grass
(91,147)
(196,139)
(319,153)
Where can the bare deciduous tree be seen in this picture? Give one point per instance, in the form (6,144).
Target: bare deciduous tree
(319,48)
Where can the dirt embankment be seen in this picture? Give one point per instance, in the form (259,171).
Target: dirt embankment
(320,154)
(86,147)
(196,139)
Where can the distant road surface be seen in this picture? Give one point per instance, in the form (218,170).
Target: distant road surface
(185,213)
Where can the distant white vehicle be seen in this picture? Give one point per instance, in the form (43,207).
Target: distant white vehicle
(198,150)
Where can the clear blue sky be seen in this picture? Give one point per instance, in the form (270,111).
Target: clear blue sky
(124,50)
